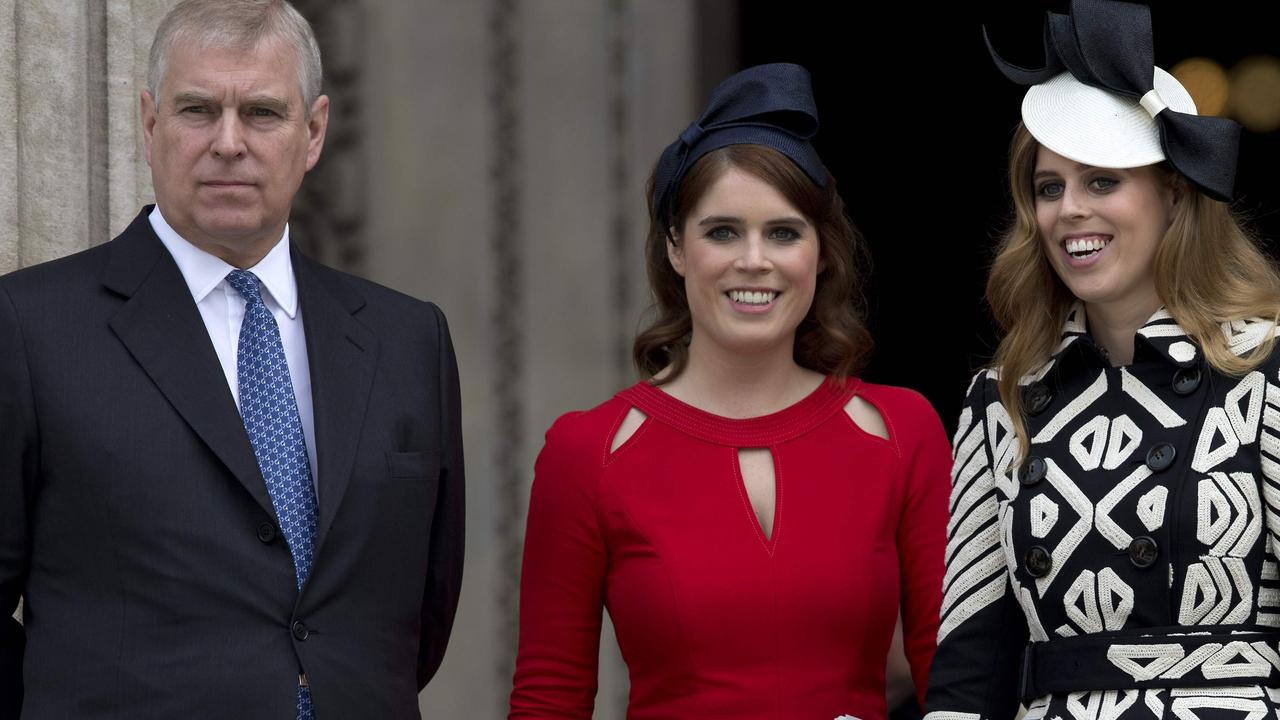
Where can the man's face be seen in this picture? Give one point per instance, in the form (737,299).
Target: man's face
(228,141)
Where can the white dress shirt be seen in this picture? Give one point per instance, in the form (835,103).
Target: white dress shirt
(222,309)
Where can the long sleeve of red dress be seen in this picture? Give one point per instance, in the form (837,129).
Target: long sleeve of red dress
(714,617)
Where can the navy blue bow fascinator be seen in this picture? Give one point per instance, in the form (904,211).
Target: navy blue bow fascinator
(770,105)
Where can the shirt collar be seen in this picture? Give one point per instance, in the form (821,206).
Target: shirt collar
(1168,340)
(204,271)
(1160,335)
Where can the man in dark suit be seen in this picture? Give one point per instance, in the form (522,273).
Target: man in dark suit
(231,479)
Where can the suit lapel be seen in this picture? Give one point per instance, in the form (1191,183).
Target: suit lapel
(162,328)
(342,354)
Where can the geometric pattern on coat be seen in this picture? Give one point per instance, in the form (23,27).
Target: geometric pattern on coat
(1155,504)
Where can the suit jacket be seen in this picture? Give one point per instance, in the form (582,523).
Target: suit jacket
(134,519)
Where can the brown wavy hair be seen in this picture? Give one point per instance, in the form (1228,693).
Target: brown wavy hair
(832,338)
(1208,270)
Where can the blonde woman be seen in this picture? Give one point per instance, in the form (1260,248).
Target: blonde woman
(1117,472)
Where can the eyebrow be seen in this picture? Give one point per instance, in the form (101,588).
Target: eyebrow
(730,219)
(268,101)
(192,98)
(1079,167)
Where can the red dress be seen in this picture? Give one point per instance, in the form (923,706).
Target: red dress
(714,619)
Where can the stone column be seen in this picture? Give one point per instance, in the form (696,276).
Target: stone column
(72,165)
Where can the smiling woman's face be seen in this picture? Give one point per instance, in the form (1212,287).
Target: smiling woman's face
(749,260)
(1101,227)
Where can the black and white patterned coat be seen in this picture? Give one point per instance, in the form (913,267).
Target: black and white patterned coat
(1125,568)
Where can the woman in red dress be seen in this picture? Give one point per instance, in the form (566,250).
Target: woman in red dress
(751,514)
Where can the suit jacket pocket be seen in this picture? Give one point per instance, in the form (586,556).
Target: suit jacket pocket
(424,464)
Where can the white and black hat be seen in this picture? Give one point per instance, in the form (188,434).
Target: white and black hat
(1100,100)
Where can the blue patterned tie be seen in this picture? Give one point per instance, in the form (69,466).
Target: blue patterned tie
(270,413)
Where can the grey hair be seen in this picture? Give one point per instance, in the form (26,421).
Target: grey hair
(238,24)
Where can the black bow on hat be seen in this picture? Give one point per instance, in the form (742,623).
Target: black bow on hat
(1107,45)
(770,105)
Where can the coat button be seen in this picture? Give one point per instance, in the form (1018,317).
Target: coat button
(1038,561)
(1032,471)
(1160,457)
(300,631)
(1186,380)
(1036,397)
(266,532)
(1143,552)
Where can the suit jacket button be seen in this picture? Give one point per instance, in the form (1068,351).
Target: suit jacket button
(1143,552)
(1186,380)
(1032,471)
(300,631)
(266,532)
(1038,561)
(1160,457)
(1036,397)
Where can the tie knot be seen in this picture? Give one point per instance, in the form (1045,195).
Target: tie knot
(245,283)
